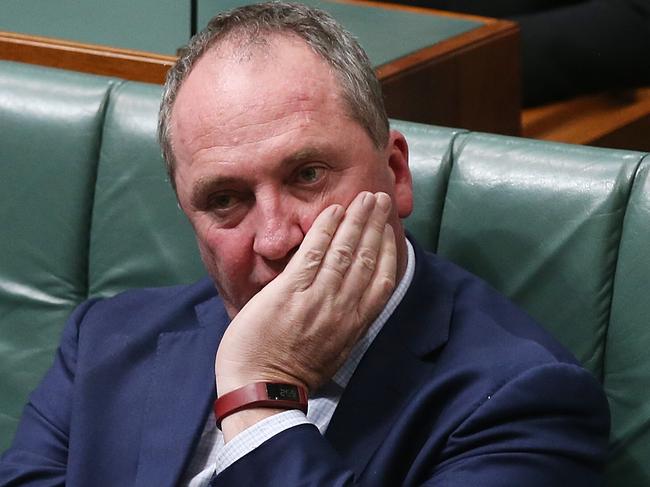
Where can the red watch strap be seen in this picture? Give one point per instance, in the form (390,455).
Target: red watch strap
(260,395)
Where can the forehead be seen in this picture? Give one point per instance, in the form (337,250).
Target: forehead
(231,90)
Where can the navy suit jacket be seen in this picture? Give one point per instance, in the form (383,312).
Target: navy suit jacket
(460,388)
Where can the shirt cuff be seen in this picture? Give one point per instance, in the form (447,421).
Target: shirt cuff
(249,439)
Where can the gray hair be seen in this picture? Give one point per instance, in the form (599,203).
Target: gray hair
(360,89)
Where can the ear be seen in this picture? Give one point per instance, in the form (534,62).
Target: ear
(397,152)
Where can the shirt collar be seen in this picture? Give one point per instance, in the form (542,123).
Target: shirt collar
(343,375)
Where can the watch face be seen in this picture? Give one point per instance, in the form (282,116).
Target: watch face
(283,392)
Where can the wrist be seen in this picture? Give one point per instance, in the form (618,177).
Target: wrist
(237,422)
(260,395)
(228,382)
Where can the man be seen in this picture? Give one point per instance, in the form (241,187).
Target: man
(279,150)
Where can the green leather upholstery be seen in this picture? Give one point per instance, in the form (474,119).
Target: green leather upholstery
(86,211)
(139,236)
(430,163)
(542,223)
(49,141)
(627,362)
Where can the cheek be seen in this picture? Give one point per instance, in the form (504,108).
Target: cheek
(342,194)
(309,213)
(227,253)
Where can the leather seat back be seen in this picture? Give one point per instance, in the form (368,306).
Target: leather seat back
(139,236)
(542,222)
(50,135)
(627,361)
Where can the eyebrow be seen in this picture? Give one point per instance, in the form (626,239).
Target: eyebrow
(209,183)
(305,155)
(205,184)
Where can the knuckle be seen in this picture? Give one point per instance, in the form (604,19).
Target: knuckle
(387,284)
(342,255)
(366,258)
(313,256)
(328,233)
(339,272)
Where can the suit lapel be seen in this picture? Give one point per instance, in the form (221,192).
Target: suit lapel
(182,390)
(392,368)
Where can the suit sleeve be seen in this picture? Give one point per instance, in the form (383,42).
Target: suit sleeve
(547,426)
(297,456)
(39,453)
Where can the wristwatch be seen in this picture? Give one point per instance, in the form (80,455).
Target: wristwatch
(260,395)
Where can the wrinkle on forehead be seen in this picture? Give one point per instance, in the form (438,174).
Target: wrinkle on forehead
(272,92)
(241,130)
(209,143)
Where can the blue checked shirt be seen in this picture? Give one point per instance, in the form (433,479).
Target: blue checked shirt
(212,456)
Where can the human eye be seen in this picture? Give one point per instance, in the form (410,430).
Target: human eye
(222,202)
(309,174)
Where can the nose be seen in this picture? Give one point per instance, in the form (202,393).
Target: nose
(278,231)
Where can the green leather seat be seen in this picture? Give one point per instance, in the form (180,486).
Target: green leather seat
(50,126)
(542,222)
(627,362)
(86,211)
(139,236)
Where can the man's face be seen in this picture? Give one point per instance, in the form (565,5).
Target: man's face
(263,145)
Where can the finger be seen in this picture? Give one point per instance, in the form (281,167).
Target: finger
(384,279)
(366,256)
(342,249)
(304,265)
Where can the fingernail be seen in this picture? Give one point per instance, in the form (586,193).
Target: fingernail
(366,198)
(383,201)
(336,210)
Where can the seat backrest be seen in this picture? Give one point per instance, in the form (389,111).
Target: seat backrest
(139,235)
(542,223)
(627,361)
(87,211)
(50,132)
(563,230)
